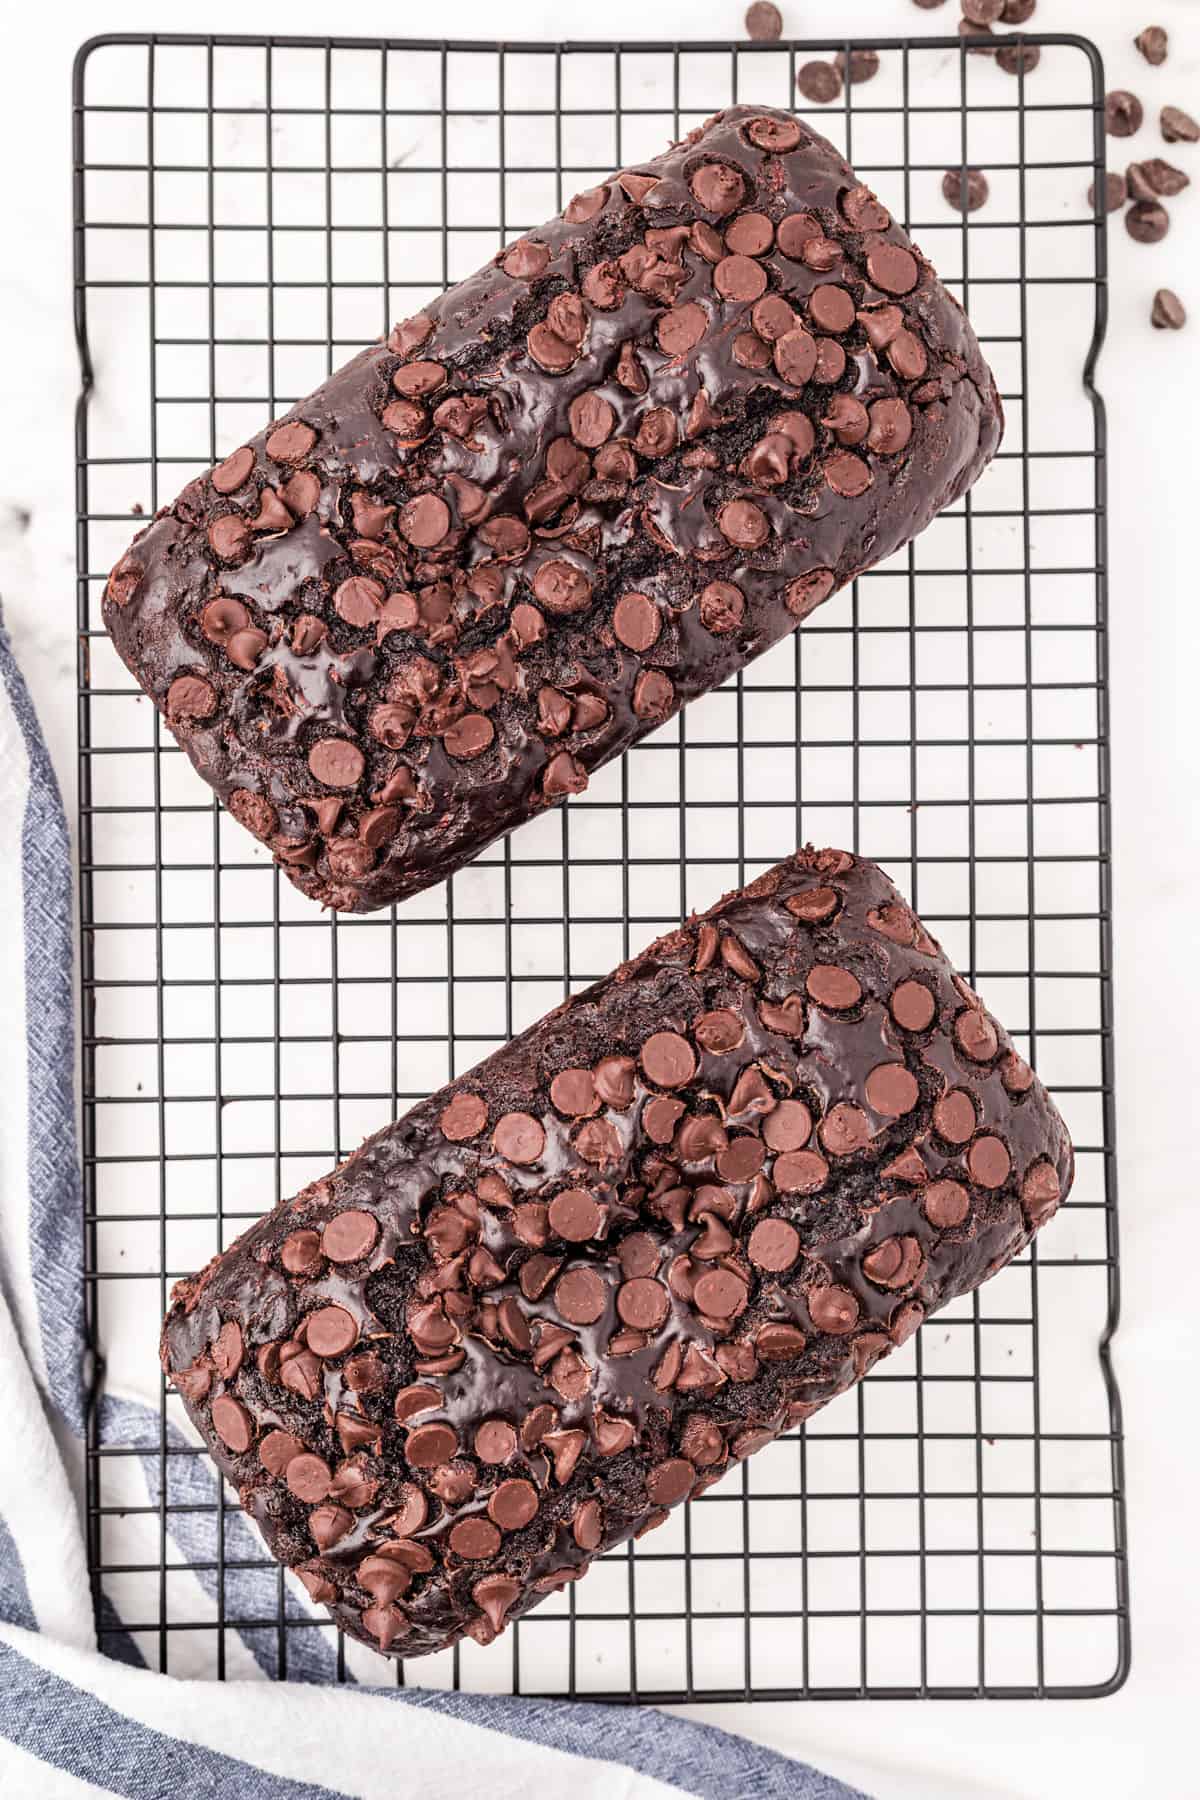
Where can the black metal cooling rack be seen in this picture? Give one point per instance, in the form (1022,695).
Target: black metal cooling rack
(246,212)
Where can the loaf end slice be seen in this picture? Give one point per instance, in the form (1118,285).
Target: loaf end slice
(583,486)
(584,1281)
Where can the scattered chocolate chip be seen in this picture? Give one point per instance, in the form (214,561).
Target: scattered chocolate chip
(945,1204)
(833,1309)
(330,1331)
(1153,44)
(191,697)
(988,1162)
(764,22)
(232,1424)
(1122,113)
(819,82)
(1168,312)
(1018,59)
(292,442)
(965,195)
(1178,127)
(1114,192)
(1155,179)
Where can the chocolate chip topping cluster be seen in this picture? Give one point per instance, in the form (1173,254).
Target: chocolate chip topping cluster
(582,487)
(579,1284)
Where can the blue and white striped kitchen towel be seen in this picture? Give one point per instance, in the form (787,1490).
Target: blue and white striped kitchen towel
(75,1722)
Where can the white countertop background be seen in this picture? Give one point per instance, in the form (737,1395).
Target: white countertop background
(1138,1742)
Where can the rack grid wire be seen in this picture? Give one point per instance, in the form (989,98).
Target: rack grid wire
(247,211)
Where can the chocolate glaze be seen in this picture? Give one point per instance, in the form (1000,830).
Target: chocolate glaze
(637,513)
(458,1290)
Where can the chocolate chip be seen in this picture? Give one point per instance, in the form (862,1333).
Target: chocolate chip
(585,206)
(299,1371)
(511,1507)
(562,587)
(575,1215)
(580,1296)
(988,1162)
(643,1303)
(410,1510)
(636,622)
(668,1059)
(330,1331)
(519,1138)
(526,260)
(831,361)
(819,82)
(893,268)
(494,1595)
(722,607)
(764,23)
(680,328)
(720,1294)
(277,1450)
(292,442)
(591,419)
(587,1525)
(657,432)
(1040,1193)
(336,762)
(660,1116)
(891,1089)
(1153,44)
(863,211)
(565,774)
(1018,12)
(740,521)
(349,1236)
(832,1309)
(848,419)
(954,1116)
(245,647)
(328,1525)
(1154,178)
(776,135)
(844,1129)
(831,308)
(232,1424)
(191,697)
(1178,127)
(358,600)
(862,65)
(469,736)
(832,986)
(308,1477)
(670,1481)
(739,278)
(891,427)
(895,1263)
(795,357)
(1122,113)
(428,1445)
(788,1127)
(566,1447)
(415,1399)
(965,195)
(773,1245)
(1168,312)
(750,234)
(464,1117)
(1018,59)
(718,188)
(474,1539)
(417,379)
(975,1034)
(982,12)
(800,1172)
(906,353)
(945,1204)
(750,352)
(1147,222)
(848,476)
(495,1441)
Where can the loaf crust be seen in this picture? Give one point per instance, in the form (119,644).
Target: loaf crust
(580,1283)
(585,485)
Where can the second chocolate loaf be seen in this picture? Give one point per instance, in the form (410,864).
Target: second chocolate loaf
(669,1221)
(584,486)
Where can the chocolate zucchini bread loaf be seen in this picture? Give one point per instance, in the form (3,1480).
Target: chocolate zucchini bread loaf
(582,487)
(666,1223)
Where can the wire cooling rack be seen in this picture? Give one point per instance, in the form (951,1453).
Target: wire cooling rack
(248,211)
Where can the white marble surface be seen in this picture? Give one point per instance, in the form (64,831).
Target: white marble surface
(1129,1744)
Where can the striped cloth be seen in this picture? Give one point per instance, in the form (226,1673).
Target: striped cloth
(75,1722)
